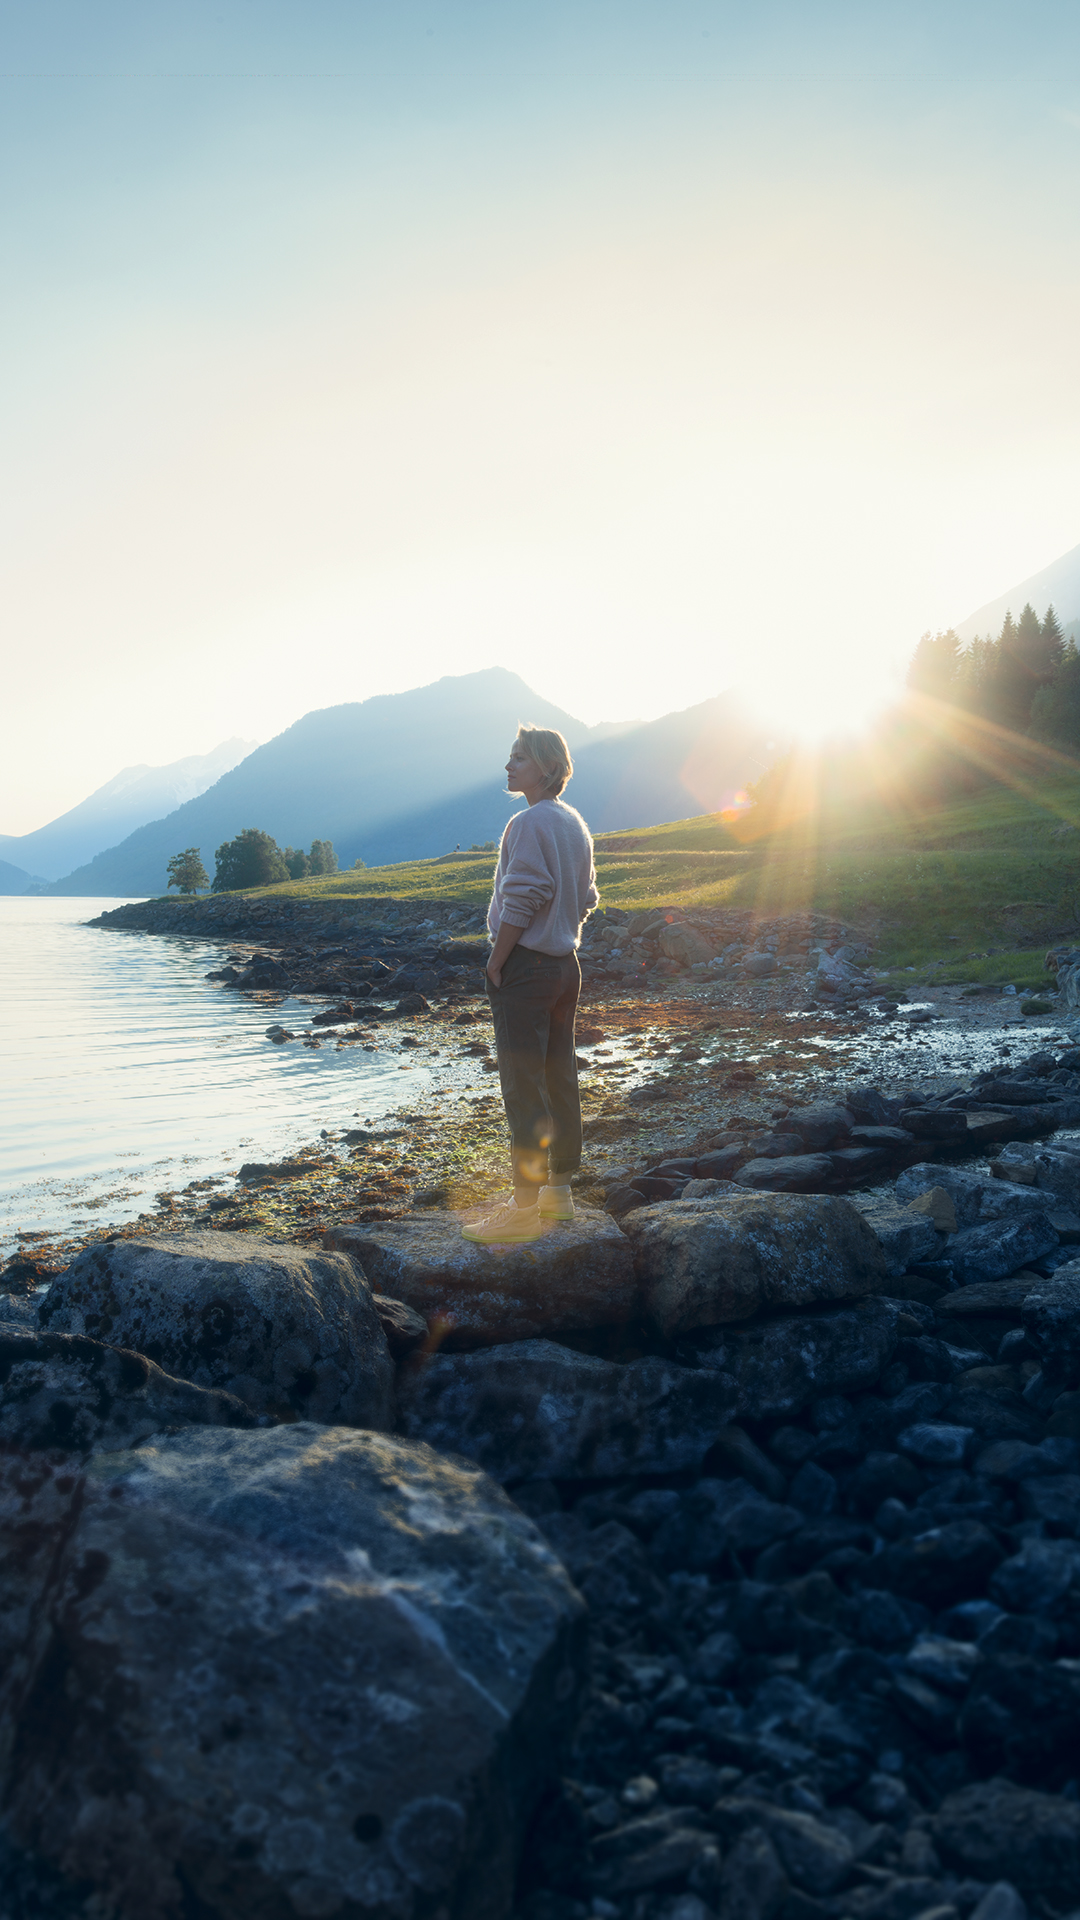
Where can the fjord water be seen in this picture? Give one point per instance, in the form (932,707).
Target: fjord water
(124,1072)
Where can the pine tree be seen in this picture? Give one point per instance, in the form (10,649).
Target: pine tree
(1014,683)
(297,862)
(1053,639)
(1055,710)
(934,665)
(976,671)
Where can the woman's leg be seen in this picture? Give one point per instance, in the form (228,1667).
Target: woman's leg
(560,1072)
(532,986)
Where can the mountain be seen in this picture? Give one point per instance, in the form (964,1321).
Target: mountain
(395,778)
(13,879)
(1058,585)
(134,796)
(686,763)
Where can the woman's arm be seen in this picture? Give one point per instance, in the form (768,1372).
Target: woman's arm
(505,941)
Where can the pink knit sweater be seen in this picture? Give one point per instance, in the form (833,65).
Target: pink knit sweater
(545,880)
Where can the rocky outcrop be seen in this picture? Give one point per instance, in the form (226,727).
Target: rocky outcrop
(534,1409)
(578,1276)
(289,1332)
(62,1391)
(703,1263)
(301,1671)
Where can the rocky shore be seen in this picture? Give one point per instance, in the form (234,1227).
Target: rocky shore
(716,1555)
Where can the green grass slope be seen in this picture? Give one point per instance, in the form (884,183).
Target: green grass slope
(978,887)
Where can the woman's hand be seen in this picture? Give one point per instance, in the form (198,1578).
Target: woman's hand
(505,941)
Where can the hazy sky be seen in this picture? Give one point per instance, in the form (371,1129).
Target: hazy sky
(643,347)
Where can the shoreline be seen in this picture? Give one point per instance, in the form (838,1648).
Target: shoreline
(663,1070)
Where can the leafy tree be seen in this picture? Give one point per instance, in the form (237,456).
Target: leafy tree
(297,862)
(186,871)
(253,859)
(359,864)
(322,857)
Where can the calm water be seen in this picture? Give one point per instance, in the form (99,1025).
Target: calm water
(124,1072)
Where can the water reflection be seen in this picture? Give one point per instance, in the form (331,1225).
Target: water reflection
(124,1071)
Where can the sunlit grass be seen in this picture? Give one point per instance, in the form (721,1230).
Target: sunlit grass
(981,885)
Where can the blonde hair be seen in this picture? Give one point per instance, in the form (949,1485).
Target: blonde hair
(551,754)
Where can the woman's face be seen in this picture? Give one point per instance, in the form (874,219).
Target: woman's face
(522,773)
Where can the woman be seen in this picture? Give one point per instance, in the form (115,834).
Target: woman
(545,885)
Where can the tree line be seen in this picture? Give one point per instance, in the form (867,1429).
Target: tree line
(253,859)
(1027,679)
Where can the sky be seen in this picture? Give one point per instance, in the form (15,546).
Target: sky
(647,347)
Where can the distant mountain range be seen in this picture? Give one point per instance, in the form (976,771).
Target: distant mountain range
(1058,585)
(407,775)
(134,796)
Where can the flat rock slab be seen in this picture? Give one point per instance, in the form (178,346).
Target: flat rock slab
(579,1274)
(705,1263)
(905,1236)
(990,1299)
(348,1667)
(62,1391)
(287,1330)
(533,1409)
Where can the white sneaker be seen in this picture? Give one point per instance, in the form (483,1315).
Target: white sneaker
(556,1203)
(507,1223)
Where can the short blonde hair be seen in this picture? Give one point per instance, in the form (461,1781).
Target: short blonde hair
(551,754)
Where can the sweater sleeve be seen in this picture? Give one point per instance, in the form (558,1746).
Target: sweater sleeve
(528,881)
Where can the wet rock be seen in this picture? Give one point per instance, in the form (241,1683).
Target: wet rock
(704,1263)
(814,1856)
(905,1236)
(533,1408)
(1020,1718)
(787,1173)
(752,1882)
(819,1127)
(1051,1318)
(646,1853)
(998,1248)
(941,1566)
(63,1391)
(577,1276)
(286,1330)
(404,1329)
(716,1516)
(976,1199)
(779,1366)
(997,1830)
(347,1668)
(1037,1577)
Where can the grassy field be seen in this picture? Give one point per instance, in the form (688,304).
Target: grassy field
(972,892)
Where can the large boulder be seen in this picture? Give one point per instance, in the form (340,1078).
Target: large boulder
(977,1197)
(999,1248)
(996,1830)
(779,1366)
(578,1275)
(1051,1318)
(533,1409)
(60,1390)
(336,1671)
(289,1331)
(706,1263)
